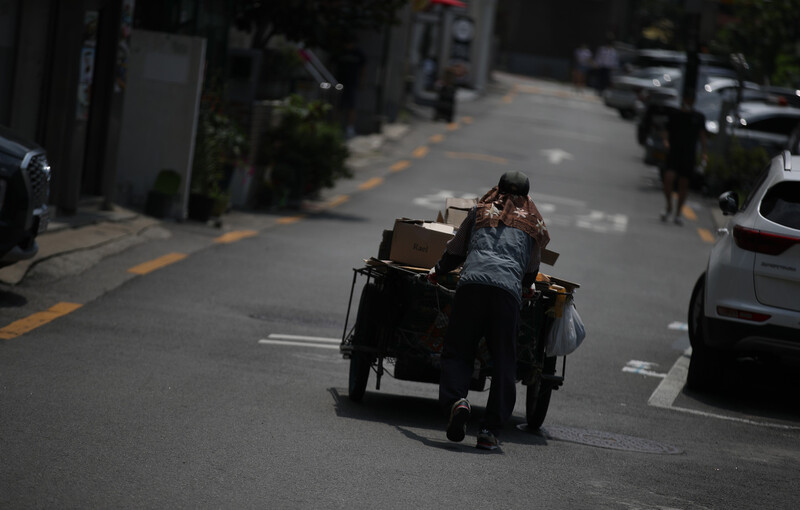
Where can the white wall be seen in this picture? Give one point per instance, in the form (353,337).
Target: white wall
(159,118)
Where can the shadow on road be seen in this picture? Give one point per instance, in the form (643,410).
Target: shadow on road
(11,300)
(766,390)
(409,414)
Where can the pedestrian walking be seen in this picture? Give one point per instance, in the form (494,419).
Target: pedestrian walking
(499,244)
(582,65)
(684,131)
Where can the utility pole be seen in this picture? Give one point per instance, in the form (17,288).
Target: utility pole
(693,9)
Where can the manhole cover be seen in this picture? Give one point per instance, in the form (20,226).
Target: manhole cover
(605,440)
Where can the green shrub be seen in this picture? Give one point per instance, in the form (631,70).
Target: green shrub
(304,153)
(735,170)
(219,145)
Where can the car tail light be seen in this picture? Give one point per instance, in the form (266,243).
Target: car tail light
(724,311)
(762,242)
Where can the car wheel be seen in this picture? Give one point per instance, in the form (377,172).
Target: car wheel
(706,363)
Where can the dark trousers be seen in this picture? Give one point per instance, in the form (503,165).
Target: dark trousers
(482,311)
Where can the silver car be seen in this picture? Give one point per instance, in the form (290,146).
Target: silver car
(626,90)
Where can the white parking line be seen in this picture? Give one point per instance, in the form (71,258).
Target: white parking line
(671,386)
(301,341)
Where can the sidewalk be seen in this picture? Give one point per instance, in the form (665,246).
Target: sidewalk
(92,227)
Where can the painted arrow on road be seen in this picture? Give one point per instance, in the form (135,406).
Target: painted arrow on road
(556,156)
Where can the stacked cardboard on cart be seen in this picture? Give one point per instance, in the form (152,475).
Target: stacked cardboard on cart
(421,243)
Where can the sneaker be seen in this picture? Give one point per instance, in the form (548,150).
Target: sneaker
(664,215)
(487,440)
(457,426)
(678,220)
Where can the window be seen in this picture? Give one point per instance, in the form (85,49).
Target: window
(781,204)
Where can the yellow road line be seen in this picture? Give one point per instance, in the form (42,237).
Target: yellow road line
(466,120)
(236,235)
(478,157)
(371,183)
(149,267)
(706,235)
(420,152)
(688,213)
(288,220)
(400,165)
(338,200)
(437,138)
(453,126)
(35,320)
(508,98)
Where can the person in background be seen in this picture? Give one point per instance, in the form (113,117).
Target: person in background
(499,244)
(350,68)
(582,64)
(684,130)
(606,61)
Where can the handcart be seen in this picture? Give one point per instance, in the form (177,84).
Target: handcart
(402,320)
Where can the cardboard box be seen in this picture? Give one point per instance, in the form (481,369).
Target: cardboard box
(456,210)
(419,243)
(549,257)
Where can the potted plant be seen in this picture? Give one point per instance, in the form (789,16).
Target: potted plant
(220,144)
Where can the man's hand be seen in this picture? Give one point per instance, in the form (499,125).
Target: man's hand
(527,293)
(433,278)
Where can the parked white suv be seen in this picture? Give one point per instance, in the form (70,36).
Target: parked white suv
(747,303)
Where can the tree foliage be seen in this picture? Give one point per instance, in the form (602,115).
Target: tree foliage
(316,23)
(767,33)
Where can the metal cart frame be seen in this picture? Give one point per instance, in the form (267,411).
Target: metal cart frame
(402,319)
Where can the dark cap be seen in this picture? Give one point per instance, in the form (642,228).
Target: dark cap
(515,183)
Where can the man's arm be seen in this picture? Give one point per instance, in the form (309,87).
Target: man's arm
(533,266)
(456,251)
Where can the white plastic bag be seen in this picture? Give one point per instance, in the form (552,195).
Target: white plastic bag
(567,332)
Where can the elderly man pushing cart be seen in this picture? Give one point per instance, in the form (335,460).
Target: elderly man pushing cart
(499,244)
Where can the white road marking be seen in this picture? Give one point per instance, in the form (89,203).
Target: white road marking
(599,221)
(668,390)
(277,336)
(437,200)
(301,341)
(642,368)
(679,326)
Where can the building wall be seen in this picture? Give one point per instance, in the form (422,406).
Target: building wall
(165,80)
(538,38)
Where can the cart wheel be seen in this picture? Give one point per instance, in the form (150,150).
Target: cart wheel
(359,375)
(537,397)
(369,309)
(365,335)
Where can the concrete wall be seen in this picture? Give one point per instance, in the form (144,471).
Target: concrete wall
(165,78)
(8,25)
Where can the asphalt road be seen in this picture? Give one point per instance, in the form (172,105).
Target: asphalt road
(180,387)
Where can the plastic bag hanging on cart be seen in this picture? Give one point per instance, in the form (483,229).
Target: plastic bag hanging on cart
(566,332)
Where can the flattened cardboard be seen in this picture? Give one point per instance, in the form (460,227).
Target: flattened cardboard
(549,257)
(456,210)
(419,243)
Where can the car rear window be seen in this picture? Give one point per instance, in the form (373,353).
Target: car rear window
(775,125)
(781,204)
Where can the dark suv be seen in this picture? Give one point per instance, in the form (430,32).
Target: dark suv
(24,193)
